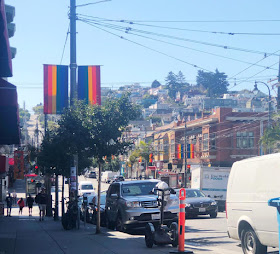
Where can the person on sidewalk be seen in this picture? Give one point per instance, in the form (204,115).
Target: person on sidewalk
(9,202)
(21,205)
(14,195)
(41,200)
(30,202)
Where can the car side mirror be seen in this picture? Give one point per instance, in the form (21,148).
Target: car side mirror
(172,191)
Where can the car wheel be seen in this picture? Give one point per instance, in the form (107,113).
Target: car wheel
(149,235)
(119,224)
(174,234)
(250,242)
(213,215)
(109,224)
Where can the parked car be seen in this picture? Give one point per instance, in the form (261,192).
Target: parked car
(91,201)
(91,174)
(197,203)
(85,187)
(92,210)
(132,204)
(252,182)
(118,178)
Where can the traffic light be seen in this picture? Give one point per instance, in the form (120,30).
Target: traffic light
(140,159)
(33,180)
(190,178)
(188,169)
(36,167)
(151,158)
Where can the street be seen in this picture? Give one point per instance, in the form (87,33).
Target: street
(17,235)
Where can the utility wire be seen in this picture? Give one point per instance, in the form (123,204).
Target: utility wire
(139,44)
(65,44)
(189,40)
(82,5)
(202,21)
(185,29)
(181,46)
(253,75)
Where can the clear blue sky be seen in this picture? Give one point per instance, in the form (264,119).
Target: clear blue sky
(41,28)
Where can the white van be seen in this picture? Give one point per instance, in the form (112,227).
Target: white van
(252,182)
(86,188)
(107,176)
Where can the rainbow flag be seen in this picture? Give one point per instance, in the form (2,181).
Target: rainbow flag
(89,84)
(190,151)
(55,88)
(179,151)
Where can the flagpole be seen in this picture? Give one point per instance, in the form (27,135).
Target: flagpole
(73,81)
(185,134)
(73,53)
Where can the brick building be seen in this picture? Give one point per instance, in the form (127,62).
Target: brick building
(218,139)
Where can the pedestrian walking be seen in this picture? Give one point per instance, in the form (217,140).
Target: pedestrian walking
(41,200)
(14,195)
(30,202)
(21,205)
(9,203)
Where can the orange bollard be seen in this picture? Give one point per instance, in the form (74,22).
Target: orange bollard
(181,226)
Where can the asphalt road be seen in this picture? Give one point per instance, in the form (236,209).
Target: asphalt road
(202,233)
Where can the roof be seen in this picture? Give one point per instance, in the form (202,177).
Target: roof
(140,181)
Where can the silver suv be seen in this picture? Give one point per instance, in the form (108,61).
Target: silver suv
(133,204)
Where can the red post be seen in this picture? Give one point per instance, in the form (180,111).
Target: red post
(182,219)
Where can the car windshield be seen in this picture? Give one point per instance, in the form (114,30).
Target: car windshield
(136,189)
(87,187)
(194,194)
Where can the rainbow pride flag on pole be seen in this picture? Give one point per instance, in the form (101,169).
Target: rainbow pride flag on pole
(89,84)
(55,88)
(179,151)
(190,151)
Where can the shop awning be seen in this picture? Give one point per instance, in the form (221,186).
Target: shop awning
(9,117)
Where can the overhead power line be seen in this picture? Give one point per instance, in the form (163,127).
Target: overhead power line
(141,45)
(130,29)
(181,46)
(185,29)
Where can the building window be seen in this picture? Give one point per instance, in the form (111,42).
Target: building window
(161,146)
(245,139)
(212,141)
(205,142)
(166,147)
(172,146)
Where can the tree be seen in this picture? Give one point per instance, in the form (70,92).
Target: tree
(215,83)
(155,84)
(176,83)
(271,136)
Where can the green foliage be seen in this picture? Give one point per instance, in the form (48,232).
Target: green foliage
(155,84)
(176,83)
(88,131)
(215,83)
(23,114)
(112,165)
(271,136)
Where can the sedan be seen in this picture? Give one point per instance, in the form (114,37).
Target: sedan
(91,213)
(197,203)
